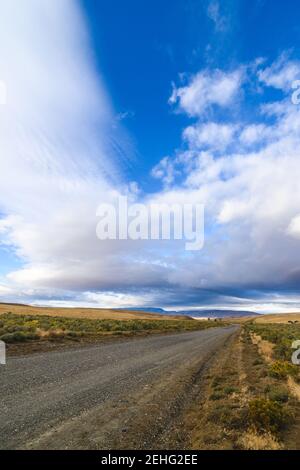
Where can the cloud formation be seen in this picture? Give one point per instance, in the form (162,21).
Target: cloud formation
(57,136)
(57,148)
(246,175)
(214,13)
(281,73)
(207,89)
(209,135)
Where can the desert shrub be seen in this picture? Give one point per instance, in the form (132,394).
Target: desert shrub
(18,337)
(217,381)
(58,327)
(230,390)
(31,325)
(258,362)
(74,334)
(137,326)
(281,335)
(282,350)
(55,335)
(12,337)
(231,416)
(281,369)
(278,393)
(13,328)
(217,395)
(267,415)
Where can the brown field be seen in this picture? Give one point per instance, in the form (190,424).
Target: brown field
(271,318)
(278,318)
(240,320)
(90,313)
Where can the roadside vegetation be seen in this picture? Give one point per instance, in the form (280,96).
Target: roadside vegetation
(251,402)
(30,328)
(280,335)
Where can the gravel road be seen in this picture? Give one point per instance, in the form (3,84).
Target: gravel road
(125,394)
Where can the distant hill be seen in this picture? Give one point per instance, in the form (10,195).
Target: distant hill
(219,313)
(293,317)
(92,313)
(146,309)
(123,313)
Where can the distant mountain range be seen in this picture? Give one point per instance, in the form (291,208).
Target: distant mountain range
(147,309)
(208,313)
(218,313)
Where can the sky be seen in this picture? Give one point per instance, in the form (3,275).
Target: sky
(165,102)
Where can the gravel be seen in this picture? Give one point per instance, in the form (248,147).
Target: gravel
(45,398)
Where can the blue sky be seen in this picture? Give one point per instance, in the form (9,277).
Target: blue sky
(142,47)
(182,101)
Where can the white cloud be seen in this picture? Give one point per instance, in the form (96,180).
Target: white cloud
(232,209)
(281,73)
(251,197)
(125,115)
(212,135)
(255,133)
(294,226)
(57,162)
(53,92)
(214,13)
(165,171)
(206,89)
(115,299)
(4,290)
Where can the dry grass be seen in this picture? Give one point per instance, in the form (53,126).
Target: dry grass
(278,318)
(89,313)
(251,440)
(241,405)
(265,348)
(294,387)
(241,320)
(272,318)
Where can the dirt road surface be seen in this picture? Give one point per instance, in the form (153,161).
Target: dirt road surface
(129,394)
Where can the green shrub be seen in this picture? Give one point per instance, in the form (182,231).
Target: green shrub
(258,362)
(267,415)
(281,335)
(230,390)
(217,381)
(282,350)
(18,337)
(278,393)
(59,327)
(74,334)
(217,395)
(282,369)
(229,415)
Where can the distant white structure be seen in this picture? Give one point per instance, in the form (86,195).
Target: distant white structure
(2,353)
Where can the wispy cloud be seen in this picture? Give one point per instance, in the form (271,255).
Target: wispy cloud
(221,22)
(281,73)
(57,162)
